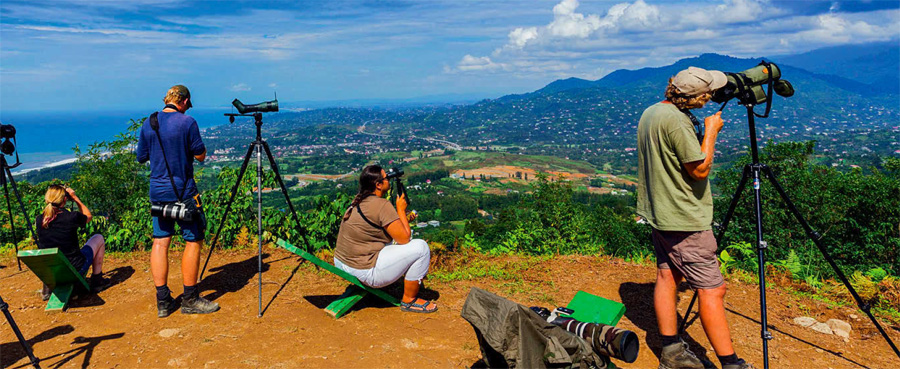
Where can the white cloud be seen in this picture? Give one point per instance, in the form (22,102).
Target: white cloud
(568,23)
(636,16)
(834,28)
(520,36)
(581,41)
(273,85)
(472,63)
(240,87)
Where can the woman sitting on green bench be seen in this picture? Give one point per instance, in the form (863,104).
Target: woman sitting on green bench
(58,228)
(374,242)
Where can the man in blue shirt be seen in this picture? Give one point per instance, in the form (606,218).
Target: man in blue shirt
(179,140)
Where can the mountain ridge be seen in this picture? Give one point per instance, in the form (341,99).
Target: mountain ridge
(847,81)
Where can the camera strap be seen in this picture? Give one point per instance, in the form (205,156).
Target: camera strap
(371,223)
(698,129)
(154,123)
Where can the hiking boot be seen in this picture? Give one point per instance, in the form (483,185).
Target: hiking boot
(742,365)
(198,305)
(679,356)
(99,283)
(165,306)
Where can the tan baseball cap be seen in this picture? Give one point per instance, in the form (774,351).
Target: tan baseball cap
(695,81)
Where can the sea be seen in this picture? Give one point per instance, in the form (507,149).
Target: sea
(45,139)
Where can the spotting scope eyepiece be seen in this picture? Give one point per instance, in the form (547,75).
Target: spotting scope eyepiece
(263,107)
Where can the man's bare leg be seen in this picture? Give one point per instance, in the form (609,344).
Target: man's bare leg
(665,297)
(159,261)
(190,262)
(712,315)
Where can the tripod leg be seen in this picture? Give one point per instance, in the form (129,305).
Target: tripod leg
(259,230)
(12,323)
(727,219)
(19,197)
(285,192)
(12,223)
(761,257)
(816,238)
(234,189)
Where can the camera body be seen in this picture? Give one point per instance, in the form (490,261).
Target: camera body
(7,133)
(747,86)
(176,210)
(394,173)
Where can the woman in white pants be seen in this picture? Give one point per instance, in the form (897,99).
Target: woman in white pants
(374,242)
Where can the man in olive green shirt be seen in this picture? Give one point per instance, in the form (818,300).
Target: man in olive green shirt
(674,198)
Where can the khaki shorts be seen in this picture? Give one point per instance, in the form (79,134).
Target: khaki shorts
(691,253)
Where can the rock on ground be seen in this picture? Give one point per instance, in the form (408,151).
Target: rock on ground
(804,321)
(840,327)
(169,332)
(822,328)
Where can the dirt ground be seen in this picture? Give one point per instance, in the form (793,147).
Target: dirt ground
(119,327)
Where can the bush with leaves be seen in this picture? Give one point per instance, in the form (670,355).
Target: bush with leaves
(551,221)
(856,214)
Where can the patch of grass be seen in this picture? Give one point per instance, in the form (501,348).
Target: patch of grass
(474,269)
(468,265)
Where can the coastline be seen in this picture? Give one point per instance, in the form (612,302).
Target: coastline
(45,165)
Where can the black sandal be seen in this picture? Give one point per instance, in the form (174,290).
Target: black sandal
(413,307)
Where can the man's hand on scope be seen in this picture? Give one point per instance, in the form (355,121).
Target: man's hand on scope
(714,123)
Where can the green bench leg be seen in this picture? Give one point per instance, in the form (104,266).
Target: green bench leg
(60,297)
(346,301)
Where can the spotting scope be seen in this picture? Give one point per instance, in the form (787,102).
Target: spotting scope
(263,107)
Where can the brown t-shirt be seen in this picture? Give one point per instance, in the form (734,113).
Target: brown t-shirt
(358,242)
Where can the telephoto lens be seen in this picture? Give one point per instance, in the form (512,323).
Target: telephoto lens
(605,339)
(178,211)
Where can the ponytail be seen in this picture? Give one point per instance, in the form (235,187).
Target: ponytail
(54,198)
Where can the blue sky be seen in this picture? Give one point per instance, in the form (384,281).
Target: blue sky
(88,55)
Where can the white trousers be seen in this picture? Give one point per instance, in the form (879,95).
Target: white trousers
(393,262)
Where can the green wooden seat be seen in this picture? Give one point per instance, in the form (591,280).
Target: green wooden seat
(52,267)
(595,309)
(354,293)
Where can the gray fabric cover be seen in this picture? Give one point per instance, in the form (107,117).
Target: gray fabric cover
(513,336)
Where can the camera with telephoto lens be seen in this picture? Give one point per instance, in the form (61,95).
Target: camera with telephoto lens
(177,211)
(747,86)
(7,133)
(394,173)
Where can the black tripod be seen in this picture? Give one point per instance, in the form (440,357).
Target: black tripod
(6,178)
(259,145)
(12,323)
(756,171)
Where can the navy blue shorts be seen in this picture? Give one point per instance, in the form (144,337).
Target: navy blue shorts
(193,231)
(88,259)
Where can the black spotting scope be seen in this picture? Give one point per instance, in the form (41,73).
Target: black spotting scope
(263,107)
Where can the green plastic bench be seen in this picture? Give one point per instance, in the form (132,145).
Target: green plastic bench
(52,267)
(354,293)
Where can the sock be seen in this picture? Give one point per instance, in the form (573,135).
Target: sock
(729,359)
(98,275)
(162,292)
(668,340)
(190,291)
